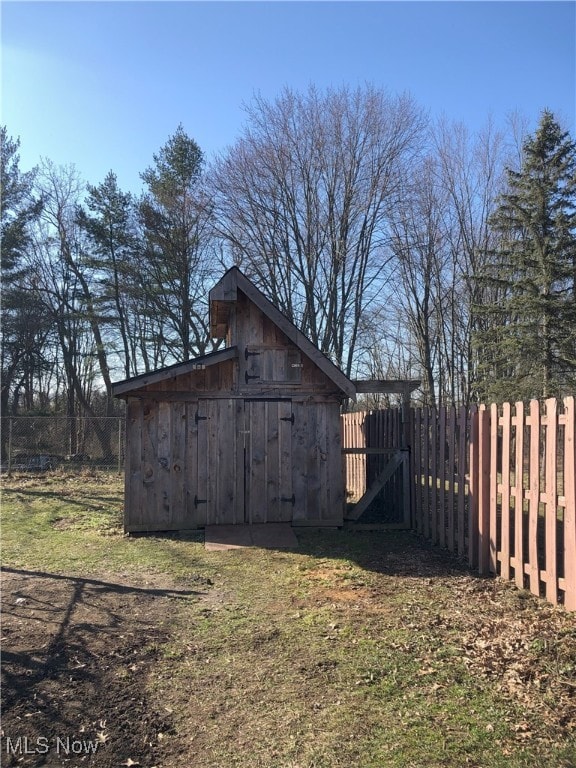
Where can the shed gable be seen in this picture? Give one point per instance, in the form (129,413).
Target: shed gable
(241,314)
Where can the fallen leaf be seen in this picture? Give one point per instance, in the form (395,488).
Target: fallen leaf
(428,671)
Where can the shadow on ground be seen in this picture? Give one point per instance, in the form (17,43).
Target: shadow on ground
(77,653)
(393,553)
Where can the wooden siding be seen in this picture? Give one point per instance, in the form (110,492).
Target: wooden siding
(316,447)
(232,460)
(229,318)
(264,370)
(268,460)
(217,378)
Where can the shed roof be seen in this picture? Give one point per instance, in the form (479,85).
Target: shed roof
(178,369)
(225,293)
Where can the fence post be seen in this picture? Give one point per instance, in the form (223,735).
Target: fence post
(483,490)
(10,425)
(570,504)
(474,488)
(119,445)
(550,518)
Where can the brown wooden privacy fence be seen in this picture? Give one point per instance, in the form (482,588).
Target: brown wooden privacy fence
(496,485)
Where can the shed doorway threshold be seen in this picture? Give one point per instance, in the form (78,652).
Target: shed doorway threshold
(263,535)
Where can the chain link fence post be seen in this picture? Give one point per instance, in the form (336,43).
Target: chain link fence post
(120,445)
(9,447)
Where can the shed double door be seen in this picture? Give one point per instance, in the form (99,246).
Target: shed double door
(245,461)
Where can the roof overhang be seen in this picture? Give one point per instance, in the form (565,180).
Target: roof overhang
(123,388)
(386,386)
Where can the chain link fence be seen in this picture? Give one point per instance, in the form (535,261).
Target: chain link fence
(43,443)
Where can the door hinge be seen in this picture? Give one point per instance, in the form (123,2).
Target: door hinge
(248,354)
(247,377)
(198,418)
(199,501)
(291,500)
(288,418)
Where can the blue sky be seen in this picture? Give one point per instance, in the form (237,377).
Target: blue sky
(103,85)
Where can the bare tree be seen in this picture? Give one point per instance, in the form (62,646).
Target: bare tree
(63,283)
(471,172)
(418,243)
(302,201)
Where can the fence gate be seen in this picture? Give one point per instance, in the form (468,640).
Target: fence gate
(376,469)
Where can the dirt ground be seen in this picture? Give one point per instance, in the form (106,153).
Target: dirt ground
(76,656)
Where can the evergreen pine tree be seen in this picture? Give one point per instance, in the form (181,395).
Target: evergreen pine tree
(176,254)
(527,345)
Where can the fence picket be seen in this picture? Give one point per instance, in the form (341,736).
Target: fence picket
(483,490)
(505,495)
(474,481)
(519,498)
(451,477)
(493,514)
(534,497)
(426,473)
(442,477)
(462,491)
(433,487)
(550,512)
(570,503)
(417,456)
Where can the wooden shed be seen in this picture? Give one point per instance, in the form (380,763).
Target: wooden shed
(247,434)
